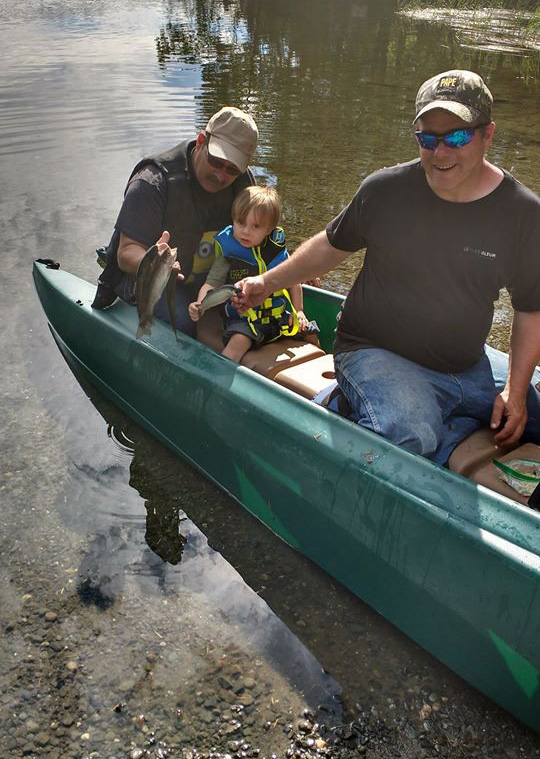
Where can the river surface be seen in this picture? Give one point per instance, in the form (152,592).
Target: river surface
(143,612)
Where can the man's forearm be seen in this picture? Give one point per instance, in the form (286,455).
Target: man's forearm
(312,259)
(130,254)
(524,350)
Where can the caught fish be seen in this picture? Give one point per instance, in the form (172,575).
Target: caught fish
(217,297)
(154,275)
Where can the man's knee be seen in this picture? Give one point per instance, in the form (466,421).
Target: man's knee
(392,397)
(415,436)
(400,418)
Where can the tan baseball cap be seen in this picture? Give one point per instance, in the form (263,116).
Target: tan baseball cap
(463,93)
(232,136)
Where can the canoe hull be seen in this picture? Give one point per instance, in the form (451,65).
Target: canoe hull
(455,567)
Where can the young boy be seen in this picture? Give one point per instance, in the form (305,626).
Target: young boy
(250,246)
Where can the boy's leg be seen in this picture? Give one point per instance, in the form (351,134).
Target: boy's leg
(237,347)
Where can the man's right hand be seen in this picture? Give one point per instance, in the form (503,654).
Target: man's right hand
(252,292)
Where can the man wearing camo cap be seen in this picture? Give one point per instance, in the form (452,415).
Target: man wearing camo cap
(443,234)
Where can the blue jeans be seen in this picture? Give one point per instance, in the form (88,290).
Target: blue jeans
(185,295)
(426,411)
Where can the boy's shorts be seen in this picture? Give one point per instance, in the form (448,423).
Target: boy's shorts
(264,333)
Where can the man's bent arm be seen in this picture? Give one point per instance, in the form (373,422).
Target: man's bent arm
(313,258)
(524,356)
(130,254)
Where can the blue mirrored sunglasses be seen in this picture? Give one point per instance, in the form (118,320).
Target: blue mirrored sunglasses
(457,138)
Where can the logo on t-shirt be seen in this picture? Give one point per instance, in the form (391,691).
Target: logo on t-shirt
(203,257)
(477,252)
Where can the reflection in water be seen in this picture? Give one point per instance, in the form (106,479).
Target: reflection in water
(162,531)
(490,29)
(162,516)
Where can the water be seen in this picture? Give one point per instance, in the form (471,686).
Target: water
(158,584)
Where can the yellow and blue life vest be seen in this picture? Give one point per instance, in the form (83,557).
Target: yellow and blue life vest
(249,262)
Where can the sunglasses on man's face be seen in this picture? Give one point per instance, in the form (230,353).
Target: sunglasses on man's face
(217,163)
(457,138)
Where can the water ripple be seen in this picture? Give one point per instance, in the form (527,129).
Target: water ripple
(95,84)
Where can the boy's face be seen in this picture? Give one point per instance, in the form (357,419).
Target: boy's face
(251,232)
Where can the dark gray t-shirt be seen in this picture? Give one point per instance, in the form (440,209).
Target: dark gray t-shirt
(434,268)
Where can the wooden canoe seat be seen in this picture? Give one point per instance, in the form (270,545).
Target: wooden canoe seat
(309,377)
(268,360)
(273,358)
(473,459)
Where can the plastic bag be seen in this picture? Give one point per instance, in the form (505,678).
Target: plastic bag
(523,475)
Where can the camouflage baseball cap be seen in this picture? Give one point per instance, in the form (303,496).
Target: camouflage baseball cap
(460,92)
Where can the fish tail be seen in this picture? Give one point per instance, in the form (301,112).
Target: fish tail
(144,328)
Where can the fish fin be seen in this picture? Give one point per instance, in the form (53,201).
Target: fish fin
(171,300)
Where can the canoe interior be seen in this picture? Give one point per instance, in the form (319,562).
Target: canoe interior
(453,565)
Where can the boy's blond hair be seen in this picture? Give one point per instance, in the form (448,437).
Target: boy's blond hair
(263,201)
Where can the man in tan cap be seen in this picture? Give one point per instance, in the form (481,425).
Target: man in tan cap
(443,234)
(182,197)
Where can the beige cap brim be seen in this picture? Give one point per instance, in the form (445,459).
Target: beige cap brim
(464,112)
(219,148)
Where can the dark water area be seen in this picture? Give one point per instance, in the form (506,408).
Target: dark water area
(142,610)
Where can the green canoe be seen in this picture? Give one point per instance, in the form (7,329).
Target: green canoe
(452,564)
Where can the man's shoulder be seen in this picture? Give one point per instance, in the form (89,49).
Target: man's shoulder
(149,173)
(157,169)
(520,191)
(399,172)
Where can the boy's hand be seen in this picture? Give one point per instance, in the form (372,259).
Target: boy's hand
(177,268)
(302,321)
(194,311)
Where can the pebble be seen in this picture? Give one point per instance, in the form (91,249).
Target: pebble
(72,666)
(50,616)
(42,739)
(136,753)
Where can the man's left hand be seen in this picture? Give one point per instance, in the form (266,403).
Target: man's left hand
(514,415)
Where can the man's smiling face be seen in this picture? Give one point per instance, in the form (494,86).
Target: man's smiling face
(454,174)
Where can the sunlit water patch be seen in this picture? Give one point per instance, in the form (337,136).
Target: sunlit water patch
(489,29)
